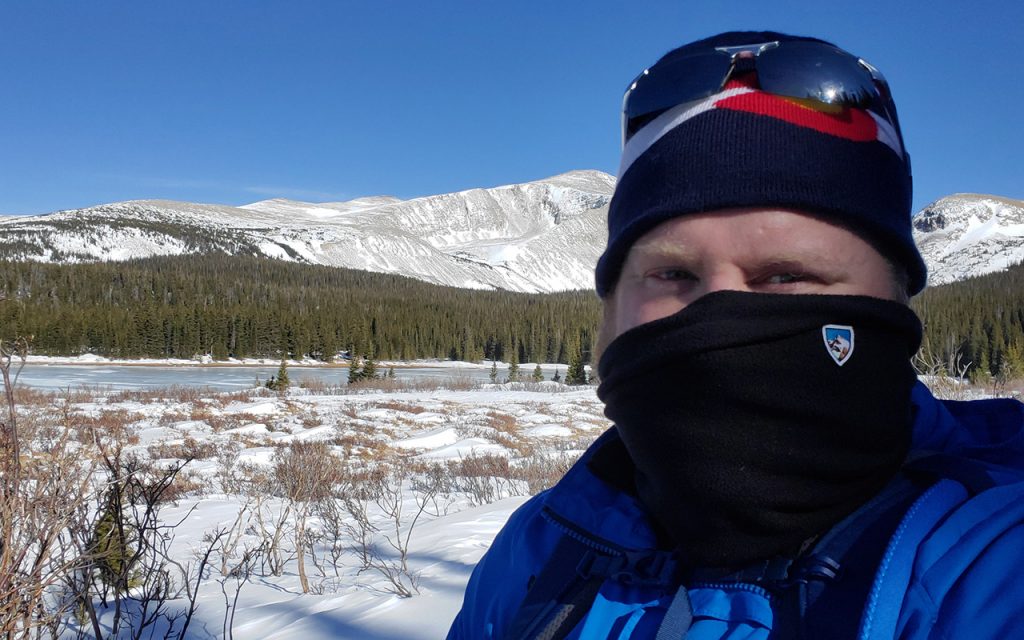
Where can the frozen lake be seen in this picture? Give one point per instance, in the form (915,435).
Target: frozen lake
(221,378)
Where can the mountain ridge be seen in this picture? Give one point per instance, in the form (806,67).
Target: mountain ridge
(966,234)
(533,237)
(539,236)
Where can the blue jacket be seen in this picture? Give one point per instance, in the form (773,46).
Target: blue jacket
(954,568)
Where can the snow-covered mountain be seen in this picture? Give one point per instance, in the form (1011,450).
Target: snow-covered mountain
(539,236)
(965,235)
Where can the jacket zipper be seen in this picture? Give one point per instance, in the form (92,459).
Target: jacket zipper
(735,586)
(581,536)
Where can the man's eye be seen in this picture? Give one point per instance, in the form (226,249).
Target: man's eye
(787,278)
(672,274)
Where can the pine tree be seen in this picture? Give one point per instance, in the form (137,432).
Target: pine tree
(369,369)
(513,364)
(391,373)
(494,371)
(1012,365)
(282,382)
(576,374)
(557,377)
(111,550)
(538,375)
(355,373)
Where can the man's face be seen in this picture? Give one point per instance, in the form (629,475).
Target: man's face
(751,249)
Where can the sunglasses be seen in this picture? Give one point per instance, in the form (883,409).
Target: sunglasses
(805,70)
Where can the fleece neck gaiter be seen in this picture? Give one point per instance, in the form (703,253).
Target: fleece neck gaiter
(758,421)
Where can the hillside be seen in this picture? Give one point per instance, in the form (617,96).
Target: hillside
(541,236)
(235,306)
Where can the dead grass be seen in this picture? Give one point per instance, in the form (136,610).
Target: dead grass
(169,418)
(245,395)
(502,422)
(31,397)
(363,445)
(173,393)
(185,484)
(187,449)
(217,421)
(400,406)
(110,426)
(452,383)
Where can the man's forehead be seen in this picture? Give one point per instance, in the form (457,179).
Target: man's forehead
(754,228)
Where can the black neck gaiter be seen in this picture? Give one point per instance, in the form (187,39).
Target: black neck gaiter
(757,421)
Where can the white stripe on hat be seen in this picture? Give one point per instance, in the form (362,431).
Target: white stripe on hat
(653,131)
(887,134)
(657,128)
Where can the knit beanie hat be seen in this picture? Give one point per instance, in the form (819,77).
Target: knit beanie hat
(742,147)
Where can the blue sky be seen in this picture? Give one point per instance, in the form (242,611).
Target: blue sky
(233,102)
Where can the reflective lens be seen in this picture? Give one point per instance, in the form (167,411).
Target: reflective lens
(812,71)
(685,79)
(796,69)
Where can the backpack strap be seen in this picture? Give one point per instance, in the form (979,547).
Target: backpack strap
(958,479)
(832,582)
(559,595)
(973,475)
(831,585)
(562,593)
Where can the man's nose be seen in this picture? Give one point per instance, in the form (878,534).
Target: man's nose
(725,281)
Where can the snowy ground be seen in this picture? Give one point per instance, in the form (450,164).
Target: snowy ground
(245,431)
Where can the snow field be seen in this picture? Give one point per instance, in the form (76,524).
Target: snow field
(437,471)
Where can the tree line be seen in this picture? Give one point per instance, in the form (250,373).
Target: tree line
(240,306)
(981,320)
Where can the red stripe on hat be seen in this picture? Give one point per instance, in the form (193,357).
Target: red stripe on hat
(843,122)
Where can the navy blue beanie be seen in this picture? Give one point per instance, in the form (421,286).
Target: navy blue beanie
(746,148)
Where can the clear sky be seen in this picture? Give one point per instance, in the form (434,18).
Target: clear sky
(232,102)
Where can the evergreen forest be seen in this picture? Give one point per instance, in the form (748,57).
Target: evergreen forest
(981,320)
(233,306)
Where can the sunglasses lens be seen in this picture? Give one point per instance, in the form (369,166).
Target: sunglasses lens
(811,71)
(670,83)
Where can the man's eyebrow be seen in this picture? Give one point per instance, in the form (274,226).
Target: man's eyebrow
(663,247)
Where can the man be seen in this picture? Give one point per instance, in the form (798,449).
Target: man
(775,470)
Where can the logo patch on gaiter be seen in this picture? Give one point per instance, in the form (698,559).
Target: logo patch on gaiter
(838,342)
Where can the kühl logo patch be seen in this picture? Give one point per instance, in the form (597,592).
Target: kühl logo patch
(838,342)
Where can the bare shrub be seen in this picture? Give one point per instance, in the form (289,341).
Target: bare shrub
(188,448)
(240,572)
(452,383)
(171,417)
(106,426)
(502,422)
(184,485)
(270,516)
(945,378)
(318,386)
(227,397)
(363,445)
(402,407)
(173,393)
(41,495)
(217,421)
(306,473)
(386,487)
(541,471)
(32,397)
(130,581)
(484,478)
